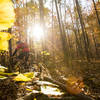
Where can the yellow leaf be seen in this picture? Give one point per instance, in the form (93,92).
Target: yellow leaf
(29,90)
(4,1)
(4,45)
(34,99)
(45,53)
(4,37)
(21,77)
(7,15)
(2,70)
(29,75)
(2,77)
(16,73)
(22,84)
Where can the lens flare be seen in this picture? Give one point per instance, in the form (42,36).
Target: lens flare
(37,32)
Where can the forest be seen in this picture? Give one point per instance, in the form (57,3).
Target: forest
(49,49)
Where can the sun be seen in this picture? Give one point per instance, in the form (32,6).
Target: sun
(37,32)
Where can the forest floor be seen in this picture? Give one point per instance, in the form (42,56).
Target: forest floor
(51,89)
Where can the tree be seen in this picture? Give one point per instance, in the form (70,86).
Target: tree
(85,37)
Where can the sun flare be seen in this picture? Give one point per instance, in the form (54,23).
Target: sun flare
(37,32)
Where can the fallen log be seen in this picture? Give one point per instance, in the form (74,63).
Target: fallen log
(61,86)
(80,96)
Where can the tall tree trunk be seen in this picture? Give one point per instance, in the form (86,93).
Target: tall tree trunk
(79,35)
(67,33)
(97,15)
(75,33)
(85,37)
(63,38)
(41,7)
(53,53)
(94,40)
(10,53)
